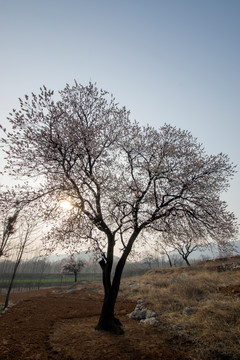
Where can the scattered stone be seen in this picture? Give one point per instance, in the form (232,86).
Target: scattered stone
(138,313)
(84,282)
(3,312)
(146,316)
(173,280)
(189,310)
(132,283)
(228,266)
(150,321)
(150,314)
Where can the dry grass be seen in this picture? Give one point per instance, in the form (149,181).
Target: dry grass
(213,331)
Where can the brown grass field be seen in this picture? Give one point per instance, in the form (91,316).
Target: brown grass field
(59,323)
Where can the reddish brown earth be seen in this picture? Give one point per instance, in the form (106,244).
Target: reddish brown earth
(59,325)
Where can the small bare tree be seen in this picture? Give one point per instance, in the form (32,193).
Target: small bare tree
(73,266)
(165,250)
(24,230)
(185,237)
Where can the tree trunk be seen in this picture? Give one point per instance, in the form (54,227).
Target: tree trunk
(10,286)
(169,260)
(13,277)
(187,262)
(107,320)
(75,276)
(18,260)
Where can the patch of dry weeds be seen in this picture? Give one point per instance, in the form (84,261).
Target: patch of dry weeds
(212,331)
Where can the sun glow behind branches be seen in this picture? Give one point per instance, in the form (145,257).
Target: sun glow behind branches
(66,205)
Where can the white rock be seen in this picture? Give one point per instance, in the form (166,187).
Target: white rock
(150,321)
(138,314)
(150,314)
(189,310)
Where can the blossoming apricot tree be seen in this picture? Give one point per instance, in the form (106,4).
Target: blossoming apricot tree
(121,179)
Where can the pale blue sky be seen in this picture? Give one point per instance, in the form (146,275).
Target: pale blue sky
(173,61)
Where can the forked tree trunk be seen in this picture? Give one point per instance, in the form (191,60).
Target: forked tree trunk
(107,320)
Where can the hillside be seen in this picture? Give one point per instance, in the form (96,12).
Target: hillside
(197,307)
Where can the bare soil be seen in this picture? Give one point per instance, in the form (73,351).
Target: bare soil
(54,324)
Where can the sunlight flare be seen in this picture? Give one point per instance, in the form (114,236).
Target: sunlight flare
(66,205)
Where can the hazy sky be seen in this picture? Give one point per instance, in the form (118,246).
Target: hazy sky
(173,61)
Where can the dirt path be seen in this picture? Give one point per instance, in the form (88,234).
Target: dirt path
(51,324)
